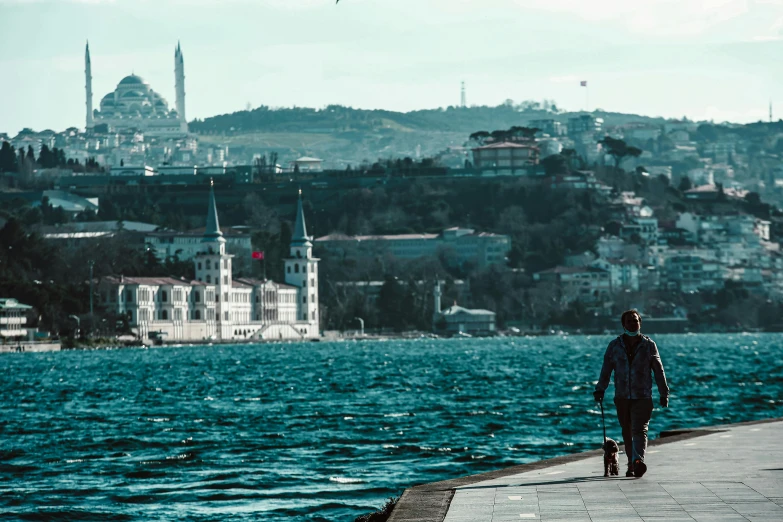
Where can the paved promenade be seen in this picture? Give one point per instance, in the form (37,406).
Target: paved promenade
(722,474)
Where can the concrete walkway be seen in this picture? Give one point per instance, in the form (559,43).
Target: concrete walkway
(725,473)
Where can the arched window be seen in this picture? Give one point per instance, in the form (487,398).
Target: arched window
(209,278)
(196,297)
(164,314)
(296,268)
(197,315)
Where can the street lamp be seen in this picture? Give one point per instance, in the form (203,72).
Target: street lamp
(78,325)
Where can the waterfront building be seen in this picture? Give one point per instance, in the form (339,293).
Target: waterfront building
(547,126)
(135,105)
(584,123)
(12,319)
(187,245)
(456,320)
(216,306)
(587,284)
(505,156)
(307,164)
(461,245)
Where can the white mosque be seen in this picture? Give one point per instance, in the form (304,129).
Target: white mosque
(215,306)
(134,105)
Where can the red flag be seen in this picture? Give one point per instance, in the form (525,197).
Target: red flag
(258,255)
(583,83)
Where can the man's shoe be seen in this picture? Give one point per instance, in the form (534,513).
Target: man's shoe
(639,468)
(629,473)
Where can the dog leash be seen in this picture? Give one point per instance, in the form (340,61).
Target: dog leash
(603,422)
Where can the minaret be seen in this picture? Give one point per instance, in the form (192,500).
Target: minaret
(301,271)
(179,82)
(88,85)
(437,295)
(213,267)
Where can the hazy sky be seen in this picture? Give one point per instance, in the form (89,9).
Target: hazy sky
(707,59)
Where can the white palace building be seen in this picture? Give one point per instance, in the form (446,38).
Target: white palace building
(216,306)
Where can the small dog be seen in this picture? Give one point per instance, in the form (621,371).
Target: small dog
(611,466)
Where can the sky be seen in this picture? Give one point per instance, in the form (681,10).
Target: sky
(705,59)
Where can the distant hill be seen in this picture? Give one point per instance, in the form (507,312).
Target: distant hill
(337,118)
(344,135)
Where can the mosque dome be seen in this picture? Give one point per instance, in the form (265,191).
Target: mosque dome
(132,102)
(132,80)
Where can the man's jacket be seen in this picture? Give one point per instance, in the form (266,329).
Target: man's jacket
(632,378)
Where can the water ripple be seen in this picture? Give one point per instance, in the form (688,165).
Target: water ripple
(327,431)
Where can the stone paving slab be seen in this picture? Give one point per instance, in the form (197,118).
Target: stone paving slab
(725,473)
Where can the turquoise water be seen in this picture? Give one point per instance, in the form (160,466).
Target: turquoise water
(327,431)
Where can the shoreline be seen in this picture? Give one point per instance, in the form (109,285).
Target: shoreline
(430,502)
(56,346)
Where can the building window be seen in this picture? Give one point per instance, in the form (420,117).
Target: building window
(304,316)
(304,299)
(197,314)
(199,265)
(225,280)
(225,316)
(313,315)
(178,314)
(209,264)
(164,315)
(164,296)
(312,297)
(312,281)
(312,268)
(296,268)
(288,269)
(225,264)
(209,278)
(225,297)
(128,296)
(299,254)
(196,297)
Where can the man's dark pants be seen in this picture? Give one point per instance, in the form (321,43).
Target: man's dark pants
(634,416)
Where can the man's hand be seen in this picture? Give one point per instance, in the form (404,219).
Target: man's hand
(598,395)
(665,402)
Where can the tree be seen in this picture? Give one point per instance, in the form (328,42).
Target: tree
(570,155)
(480,137)
(619,150)
(555,164)
(8,161)
(45,159)
(527,133)
(685,184)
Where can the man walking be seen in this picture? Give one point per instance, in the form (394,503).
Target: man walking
(632,357)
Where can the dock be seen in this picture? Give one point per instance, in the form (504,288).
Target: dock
(722,473)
